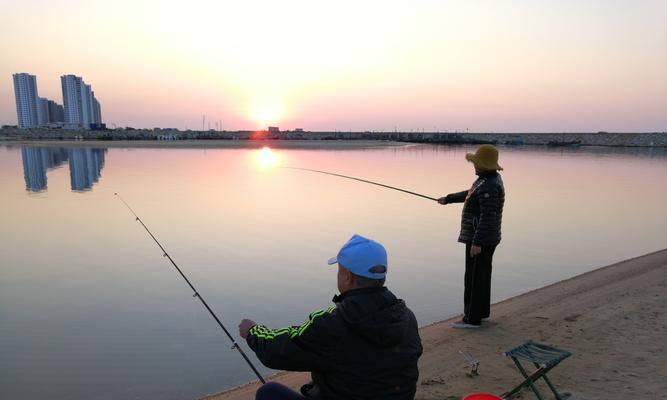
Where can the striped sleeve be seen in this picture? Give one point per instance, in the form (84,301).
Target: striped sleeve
(296,348)
(265,333)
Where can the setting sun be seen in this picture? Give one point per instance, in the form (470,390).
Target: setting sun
(266,113)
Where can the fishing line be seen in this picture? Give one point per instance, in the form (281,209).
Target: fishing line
(362,180)
(196,293)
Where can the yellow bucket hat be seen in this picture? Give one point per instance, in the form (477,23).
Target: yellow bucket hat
(486,157)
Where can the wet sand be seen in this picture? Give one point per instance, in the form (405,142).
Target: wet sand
(613,320)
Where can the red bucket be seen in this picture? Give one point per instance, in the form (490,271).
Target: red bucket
(482,396)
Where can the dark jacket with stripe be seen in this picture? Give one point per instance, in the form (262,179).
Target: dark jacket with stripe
(482,210)
(364,347)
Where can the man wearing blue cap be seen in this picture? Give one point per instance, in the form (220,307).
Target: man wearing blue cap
(365,346)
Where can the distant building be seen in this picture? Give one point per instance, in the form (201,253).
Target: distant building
(167,137)
(86,104)
(298,130)
(56,112)
(97,111)
(273,129)
(42,111)
(81,108)
(49,112)
(25,91)
(73,109)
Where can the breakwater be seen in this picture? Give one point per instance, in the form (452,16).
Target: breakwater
(644,139)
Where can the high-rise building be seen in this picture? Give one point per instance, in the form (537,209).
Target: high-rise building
(72,100)
(86,105)
(81,108)
(49,112)
(56,112)
(42,111)
(25,91)
(97,110)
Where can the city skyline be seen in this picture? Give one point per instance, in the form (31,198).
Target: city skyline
(80,108)
(518,66)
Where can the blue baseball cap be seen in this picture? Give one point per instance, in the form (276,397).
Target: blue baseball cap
(359,255)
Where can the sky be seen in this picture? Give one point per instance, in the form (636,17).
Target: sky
(489,66)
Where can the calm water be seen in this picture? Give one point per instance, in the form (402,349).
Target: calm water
(90,309)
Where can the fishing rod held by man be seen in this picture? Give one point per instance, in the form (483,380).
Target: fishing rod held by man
(196,293)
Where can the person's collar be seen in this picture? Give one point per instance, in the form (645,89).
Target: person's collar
(355,292)
(486,174)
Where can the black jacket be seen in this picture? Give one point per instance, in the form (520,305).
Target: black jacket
(482,210)
(364,347)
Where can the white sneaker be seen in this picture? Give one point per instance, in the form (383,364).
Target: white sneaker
(487,319)
(464,325)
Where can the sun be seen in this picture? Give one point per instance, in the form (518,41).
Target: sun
(266,113)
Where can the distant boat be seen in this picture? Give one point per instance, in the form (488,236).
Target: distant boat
(563,143)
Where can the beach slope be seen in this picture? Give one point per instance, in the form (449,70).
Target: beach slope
(612,320)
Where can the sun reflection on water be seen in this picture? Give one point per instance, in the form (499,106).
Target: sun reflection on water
(266,158)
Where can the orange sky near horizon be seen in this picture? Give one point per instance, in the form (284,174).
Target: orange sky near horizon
(516,66)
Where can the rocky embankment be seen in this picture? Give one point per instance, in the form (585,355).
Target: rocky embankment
(646,139)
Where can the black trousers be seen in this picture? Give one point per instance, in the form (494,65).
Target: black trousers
(477,293)
(276,391)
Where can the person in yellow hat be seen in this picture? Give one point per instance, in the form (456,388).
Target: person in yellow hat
(480,231)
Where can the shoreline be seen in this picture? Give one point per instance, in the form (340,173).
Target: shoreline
(342,144)
(214,143)
(169,136)
(611,319)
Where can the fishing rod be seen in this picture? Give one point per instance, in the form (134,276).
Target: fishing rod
(197,295)
(362,180)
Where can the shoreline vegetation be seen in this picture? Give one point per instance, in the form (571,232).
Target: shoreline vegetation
(611,319)
(177,138)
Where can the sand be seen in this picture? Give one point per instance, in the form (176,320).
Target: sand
(612,320)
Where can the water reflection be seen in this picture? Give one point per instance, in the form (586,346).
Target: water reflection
(36,161)
(85,166)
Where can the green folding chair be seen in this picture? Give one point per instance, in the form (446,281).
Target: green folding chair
(544,358)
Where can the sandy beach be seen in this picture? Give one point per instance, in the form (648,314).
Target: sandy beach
(611,319)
